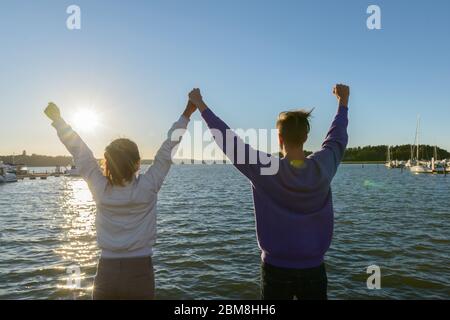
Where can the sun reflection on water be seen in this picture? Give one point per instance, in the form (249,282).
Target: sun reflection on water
(78,246)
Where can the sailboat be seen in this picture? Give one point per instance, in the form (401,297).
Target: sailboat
(391,164)
(388,163)
(416,165)
(434,166)
(421,169)
(437,166)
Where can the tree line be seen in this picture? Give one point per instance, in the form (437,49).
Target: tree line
(36,160)
(402,152)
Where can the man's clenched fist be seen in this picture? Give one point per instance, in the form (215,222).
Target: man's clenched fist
(342,92)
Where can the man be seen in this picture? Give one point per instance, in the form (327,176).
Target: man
(293,207)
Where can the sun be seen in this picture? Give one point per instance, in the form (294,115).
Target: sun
(85,120)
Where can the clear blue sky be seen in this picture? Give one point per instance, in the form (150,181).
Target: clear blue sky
(135,61)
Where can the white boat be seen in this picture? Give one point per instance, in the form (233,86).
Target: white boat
(408,164)
(434,166)
(388,163)
(439,167)
(415,165)
(10,177)
(421,169)
(20,169)
(6,174)
(391,164)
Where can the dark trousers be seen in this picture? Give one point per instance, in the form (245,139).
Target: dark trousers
(124,279)
(285,284)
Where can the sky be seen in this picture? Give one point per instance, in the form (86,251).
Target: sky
(134,62)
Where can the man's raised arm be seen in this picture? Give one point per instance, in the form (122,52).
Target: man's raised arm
(250,162)
(333,148)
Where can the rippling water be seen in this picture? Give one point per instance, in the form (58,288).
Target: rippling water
(206,244)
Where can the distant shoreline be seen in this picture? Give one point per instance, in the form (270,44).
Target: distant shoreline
(220,163)
(356,155)
(363,162)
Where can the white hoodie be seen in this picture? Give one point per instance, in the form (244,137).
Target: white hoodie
(126,216)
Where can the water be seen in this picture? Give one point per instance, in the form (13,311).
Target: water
(206,246)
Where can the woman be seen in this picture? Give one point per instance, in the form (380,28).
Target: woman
(126,207)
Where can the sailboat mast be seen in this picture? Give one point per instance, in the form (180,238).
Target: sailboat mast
(417,137)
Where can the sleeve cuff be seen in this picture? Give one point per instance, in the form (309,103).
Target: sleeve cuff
(183,121)
(342,109)
(60,124)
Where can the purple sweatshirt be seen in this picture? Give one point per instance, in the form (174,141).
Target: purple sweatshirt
(294,207)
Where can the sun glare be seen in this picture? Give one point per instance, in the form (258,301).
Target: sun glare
(86,120)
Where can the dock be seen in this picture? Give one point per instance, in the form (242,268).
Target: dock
(40,176)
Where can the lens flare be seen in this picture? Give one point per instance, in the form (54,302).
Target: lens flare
(86,120)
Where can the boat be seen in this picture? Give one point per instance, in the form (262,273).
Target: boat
(415,165)
(393,164)
(6,174)
(21,169)
(17,169)
(408,164)
(420,168)
(434,166)
(439,167)
(388,163)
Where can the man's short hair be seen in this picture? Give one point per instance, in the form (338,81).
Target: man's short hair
(293,126)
